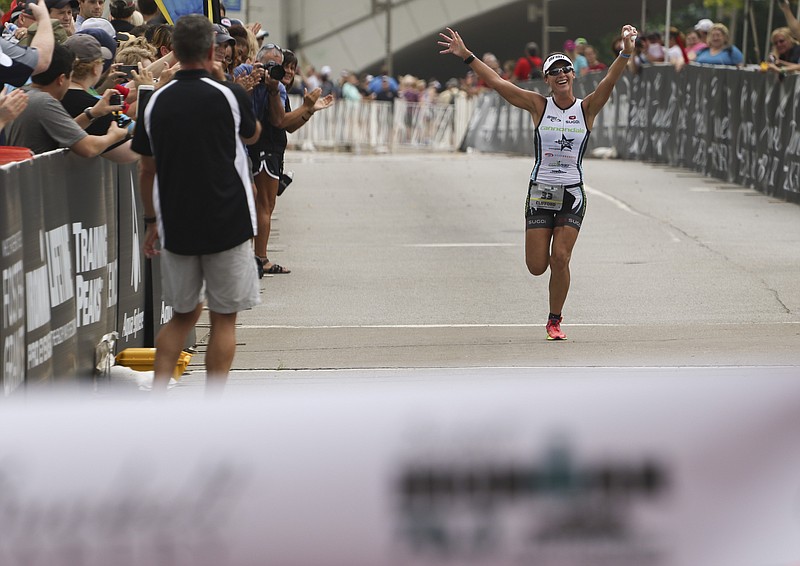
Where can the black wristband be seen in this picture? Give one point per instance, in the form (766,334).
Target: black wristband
(149,219)
(469,59)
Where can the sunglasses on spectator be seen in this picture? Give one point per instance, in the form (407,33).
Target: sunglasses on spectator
(272,46)
(558,70)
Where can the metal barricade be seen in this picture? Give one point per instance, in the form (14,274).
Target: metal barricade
(377,127)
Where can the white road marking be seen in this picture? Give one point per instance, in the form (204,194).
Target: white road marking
(615,201)
(461,245)
(622,206)
(433,326)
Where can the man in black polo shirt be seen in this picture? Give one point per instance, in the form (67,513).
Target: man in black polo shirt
(198,200)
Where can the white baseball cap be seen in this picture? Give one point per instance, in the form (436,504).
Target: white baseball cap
(703,25)
(99,23)
(553,59)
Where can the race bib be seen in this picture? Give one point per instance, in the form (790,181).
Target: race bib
(548,197)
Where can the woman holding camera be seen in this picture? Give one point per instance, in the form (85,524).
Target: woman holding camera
(94,113)
(556,201)
(273,110)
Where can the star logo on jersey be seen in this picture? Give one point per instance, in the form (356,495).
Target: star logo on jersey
(565,142)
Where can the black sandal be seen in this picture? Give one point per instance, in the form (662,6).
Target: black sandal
(275,269)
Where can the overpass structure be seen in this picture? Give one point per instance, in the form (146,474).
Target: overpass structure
(357,34)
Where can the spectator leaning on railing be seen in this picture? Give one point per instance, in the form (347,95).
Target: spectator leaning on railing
(785,56)
(719,50)
(91,113)
(45,125)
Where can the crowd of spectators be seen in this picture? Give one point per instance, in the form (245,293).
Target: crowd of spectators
(135,42)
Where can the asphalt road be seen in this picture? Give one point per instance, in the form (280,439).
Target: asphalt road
(417,261)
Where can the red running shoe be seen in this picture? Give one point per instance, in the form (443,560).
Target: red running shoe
(554,329)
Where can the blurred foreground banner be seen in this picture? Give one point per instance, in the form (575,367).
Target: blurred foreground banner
(514,467)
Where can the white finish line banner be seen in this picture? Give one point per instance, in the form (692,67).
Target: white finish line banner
(562,467)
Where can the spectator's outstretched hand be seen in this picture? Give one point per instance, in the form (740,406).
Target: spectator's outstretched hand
(167,74)
(255,27)
(324,102)
(310,98)
(143,77)
(247,82)
(12,105)
(113,78)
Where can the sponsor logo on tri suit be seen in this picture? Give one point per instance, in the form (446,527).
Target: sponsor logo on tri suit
(573,117)
(565,143)
(561,129)
(559,171)
(549,154)
(535,221)
(573,121)
(554,118)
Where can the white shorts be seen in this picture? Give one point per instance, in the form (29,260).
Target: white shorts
(227,280)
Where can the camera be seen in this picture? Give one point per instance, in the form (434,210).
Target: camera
(121,119)
(275,70)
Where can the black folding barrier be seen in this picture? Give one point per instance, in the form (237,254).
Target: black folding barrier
(72,267)
(737,125)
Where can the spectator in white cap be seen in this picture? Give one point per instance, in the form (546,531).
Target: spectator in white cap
(702,28)
(260,35)
(88,9)
(98,23)
(326,84)
(556,202)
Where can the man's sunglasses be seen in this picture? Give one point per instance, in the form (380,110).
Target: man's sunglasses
(558,70)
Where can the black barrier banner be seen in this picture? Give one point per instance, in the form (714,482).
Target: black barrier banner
(791,140)
(39,330)
(93,235)
(131,297)
(60,264)
(12,308)
(72,268)
(719,123)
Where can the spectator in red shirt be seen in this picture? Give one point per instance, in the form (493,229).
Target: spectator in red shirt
(594,63)
(529,66)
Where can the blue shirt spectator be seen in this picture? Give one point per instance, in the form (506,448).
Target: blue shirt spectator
(719,50)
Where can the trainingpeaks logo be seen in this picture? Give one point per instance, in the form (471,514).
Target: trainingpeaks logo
(556,509)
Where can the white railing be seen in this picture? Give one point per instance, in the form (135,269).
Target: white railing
(373,126)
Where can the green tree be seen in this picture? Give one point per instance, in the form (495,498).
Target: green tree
(725,4)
